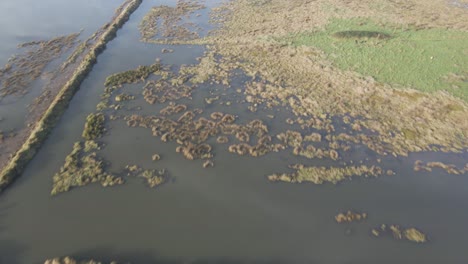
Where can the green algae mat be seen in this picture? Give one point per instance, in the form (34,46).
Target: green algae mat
(424,59)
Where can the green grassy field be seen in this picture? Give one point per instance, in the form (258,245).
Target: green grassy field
(424,59)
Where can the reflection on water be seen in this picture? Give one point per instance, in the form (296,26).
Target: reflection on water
(226,214)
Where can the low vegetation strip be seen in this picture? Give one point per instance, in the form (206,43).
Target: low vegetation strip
(59,104)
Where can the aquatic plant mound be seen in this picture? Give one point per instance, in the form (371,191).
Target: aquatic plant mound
(94,126)
(81,168)
(361,34)
(410,234)
(132,76)
(319,175)
(428,60)
(166,23)
(414,235)
(349,217)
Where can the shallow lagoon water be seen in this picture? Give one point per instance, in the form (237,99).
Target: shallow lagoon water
(229,213)
(27,20)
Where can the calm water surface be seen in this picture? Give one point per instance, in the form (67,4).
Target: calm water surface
(29,20)
(229,213)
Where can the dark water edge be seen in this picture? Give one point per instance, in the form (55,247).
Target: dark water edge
(228,214)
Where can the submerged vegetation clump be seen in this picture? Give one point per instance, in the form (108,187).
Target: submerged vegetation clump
(21,70)
(449,168)
(82,167)
(414,235)
(349,217)
(411,234)
(94,126)
(156,157)
(162,91)
(166,23)
(153,178)
(132,76)
(319,175)
(46,119)
(192,132)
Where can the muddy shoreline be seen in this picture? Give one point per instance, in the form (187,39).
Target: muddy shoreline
(31,138)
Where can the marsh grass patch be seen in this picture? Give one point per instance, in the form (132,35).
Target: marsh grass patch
(395,54)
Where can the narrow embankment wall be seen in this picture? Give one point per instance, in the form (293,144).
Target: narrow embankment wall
(60,103)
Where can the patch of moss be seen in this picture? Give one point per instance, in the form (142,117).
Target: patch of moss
(419,59)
